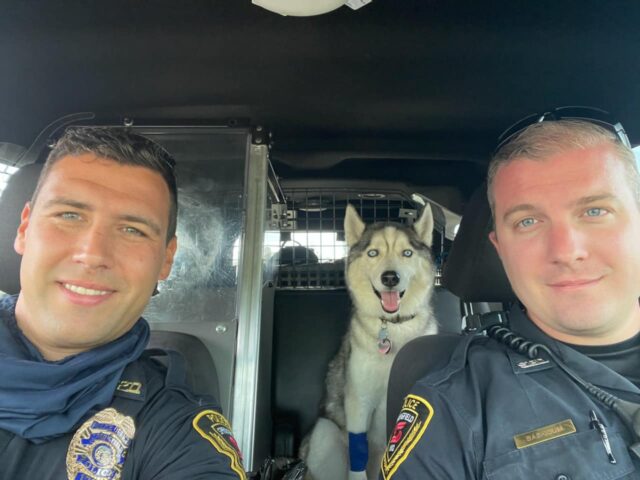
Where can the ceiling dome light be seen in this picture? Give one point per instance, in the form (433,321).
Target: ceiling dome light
(299,8)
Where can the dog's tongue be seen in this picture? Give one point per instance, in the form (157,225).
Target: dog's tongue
(390,301)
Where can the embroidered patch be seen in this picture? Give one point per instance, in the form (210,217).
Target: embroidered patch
(99,447)
(544,434)
(411,424)
(212,426)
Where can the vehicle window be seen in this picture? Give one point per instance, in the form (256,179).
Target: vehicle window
(5,172)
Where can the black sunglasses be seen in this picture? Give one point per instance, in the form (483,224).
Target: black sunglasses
(589,114)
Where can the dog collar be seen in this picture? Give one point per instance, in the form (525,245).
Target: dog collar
(384,342)
(397,319)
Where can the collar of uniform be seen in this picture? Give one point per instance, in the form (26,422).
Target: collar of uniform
(133,383)
(591,370)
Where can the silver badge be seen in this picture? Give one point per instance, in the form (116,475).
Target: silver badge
(99,447)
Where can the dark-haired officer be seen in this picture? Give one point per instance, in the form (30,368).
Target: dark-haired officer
(79,399)
(565,199)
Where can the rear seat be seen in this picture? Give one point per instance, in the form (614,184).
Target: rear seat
(308,329)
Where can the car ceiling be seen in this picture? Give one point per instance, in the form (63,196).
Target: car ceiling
(405,80)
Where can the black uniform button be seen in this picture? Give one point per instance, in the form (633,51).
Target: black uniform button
(562,476)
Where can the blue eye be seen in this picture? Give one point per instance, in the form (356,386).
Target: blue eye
(133,231)
(407,253)
(373,253)
(595,212)
(69,215)
(527,222)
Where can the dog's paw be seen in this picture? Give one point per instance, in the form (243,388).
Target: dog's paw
(358,475)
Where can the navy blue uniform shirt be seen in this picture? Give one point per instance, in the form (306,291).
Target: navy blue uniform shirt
(494,414)
(153,429)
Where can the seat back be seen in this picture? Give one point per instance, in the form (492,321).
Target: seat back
(201,374)
(474,273)
(473,270)
(308,329)
(417,358)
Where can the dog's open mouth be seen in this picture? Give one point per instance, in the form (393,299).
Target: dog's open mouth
(390,300)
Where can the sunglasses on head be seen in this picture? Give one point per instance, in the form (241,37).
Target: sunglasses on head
(589,114)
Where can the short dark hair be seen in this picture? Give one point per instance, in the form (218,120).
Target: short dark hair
(122,146)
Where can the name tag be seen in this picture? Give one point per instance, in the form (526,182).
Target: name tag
(543,434)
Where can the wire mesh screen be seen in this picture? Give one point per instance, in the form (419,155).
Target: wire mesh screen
(310,247)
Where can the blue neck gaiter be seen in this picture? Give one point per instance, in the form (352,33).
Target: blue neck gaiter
(40,400)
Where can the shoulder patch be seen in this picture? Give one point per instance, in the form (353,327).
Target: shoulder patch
(99,447)
(215,428)
(411,424)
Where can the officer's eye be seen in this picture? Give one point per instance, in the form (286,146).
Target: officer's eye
(69,215)
(595,212)
(133,231)
(373,253)
(407,253)
(527,222)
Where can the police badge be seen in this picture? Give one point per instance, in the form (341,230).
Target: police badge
(99,447)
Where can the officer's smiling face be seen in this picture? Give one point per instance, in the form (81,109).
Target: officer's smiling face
(93,247)
(567,232)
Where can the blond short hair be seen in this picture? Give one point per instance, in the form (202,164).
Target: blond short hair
(541,140)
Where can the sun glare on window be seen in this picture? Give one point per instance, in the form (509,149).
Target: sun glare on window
(5,172)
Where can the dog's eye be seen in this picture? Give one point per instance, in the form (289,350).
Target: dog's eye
(373,252)
(407,253)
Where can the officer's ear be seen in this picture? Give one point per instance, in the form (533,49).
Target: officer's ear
(21,234)
(493,237)
(169,253)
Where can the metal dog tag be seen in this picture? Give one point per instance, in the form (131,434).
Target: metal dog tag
(384,344)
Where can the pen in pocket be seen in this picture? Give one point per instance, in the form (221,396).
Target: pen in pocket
(599,426)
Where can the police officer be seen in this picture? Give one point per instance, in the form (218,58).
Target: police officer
(79,398)
(565,198)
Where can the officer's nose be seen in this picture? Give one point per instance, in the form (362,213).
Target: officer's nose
(566,244)
(390,278)
(94,248)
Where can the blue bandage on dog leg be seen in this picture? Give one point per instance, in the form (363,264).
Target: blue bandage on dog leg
(358,451)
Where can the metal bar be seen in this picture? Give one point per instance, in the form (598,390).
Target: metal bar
(245,394)
(321,228)
(278,194)
(335,227)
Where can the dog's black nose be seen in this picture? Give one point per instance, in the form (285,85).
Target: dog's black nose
(390,278)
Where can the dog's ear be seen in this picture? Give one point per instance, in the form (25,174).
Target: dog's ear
(353,226)
(424,225)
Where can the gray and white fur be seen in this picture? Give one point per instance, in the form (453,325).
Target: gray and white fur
(390,277)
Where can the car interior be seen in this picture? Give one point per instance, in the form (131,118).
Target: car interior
(277,123)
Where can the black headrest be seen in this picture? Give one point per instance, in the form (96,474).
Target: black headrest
(18,192)
(473,270)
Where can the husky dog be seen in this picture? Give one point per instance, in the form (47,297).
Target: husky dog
(390,277)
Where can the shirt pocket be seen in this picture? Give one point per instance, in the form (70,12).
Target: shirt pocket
(580,456)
